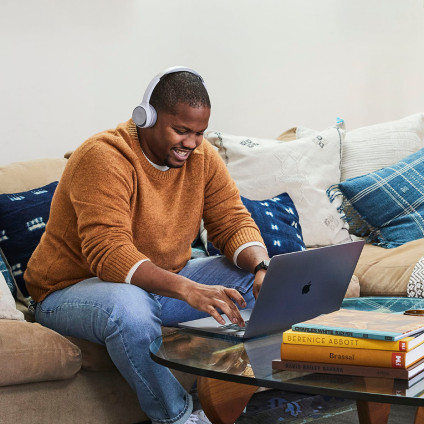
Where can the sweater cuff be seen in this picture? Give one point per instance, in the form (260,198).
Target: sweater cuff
(241,237)
(119,262)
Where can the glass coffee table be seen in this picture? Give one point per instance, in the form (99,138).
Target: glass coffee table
(230,372)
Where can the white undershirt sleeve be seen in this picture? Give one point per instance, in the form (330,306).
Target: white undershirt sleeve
(244,246)
(133,270)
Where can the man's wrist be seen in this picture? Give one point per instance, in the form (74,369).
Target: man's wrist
(263,265)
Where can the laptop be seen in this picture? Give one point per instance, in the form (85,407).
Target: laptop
(297,286)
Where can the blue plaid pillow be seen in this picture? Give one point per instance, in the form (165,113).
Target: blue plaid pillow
(7,274)
(389,201)
(278,221)
(23,217)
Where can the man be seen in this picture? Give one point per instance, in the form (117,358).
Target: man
(127,208)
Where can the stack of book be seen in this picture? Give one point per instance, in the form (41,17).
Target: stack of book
(359,343)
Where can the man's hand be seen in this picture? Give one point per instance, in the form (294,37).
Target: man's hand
(248,259)
(257,283)
(202,297)
(209,298)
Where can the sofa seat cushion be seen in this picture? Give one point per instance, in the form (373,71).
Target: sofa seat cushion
(31,353)
(388,272)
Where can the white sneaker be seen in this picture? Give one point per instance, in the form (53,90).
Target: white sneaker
(198,417)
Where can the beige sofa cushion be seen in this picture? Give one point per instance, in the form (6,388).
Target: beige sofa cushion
(22,176)
(288,135)
(386,272)
(31,353)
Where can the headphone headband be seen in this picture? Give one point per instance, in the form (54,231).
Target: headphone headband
(144,115)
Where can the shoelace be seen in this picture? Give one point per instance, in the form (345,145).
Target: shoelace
(195,418)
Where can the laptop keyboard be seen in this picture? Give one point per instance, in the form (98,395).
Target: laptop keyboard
(234,327)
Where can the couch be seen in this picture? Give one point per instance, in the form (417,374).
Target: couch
(45,377)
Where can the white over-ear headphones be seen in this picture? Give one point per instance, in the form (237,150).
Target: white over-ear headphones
(144,115)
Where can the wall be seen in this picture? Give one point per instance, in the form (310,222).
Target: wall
(71,68)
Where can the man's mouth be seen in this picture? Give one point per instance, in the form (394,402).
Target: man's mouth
(182,154)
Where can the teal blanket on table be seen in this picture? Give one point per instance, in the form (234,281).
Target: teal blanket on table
(383,304)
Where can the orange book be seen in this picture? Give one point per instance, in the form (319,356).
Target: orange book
(349,356)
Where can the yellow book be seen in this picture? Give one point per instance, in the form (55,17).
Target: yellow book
(348,356)
(299,337)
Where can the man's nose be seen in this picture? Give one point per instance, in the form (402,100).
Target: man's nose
(192,141)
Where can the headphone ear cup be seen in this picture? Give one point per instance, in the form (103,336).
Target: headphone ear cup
(153,116)
(144,116)
(139,116)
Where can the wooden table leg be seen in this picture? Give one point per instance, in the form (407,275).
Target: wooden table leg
(223,401)
(419,416)
(372,412)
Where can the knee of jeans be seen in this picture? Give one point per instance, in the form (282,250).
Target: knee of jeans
(136,313)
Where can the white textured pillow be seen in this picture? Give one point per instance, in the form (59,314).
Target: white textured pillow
(305,168)
(368,149)
(7,303)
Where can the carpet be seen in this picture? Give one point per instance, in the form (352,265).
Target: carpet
(276,407)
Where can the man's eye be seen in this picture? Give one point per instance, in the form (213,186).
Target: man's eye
(181,132)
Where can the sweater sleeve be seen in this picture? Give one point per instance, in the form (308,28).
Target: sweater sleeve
(227,221)
(101,192)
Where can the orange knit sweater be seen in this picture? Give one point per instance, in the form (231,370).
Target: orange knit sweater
(112,208)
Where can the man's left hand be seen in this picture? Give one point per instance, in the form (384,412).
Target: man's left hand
(257,283)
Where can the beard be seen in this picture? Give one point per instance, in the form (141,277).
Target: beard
(170,164)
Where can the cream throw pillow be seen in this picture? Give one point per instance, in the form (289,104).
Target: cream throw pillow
(370,148)
(7,303)
(305,168)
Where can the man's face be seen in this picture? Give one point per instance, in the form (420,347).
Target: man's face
(172,139)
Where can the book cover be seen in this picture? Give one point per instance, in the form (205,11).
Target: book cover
(364,324)
(353,370)
(403,345)
(410,388)
(348,356)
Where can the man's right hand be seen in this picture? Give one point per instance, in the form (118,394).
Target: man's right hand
(199,296)
(210,298)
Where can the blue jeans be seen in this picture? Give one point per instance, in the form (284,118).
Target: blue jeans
(127,319)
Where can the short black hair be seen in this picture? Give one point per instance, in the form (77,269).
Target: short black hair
(179,87)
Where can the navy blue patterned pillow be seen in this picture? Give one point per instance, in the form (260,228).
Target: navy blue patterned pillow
(278,221)
(7,274)
(23,217)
